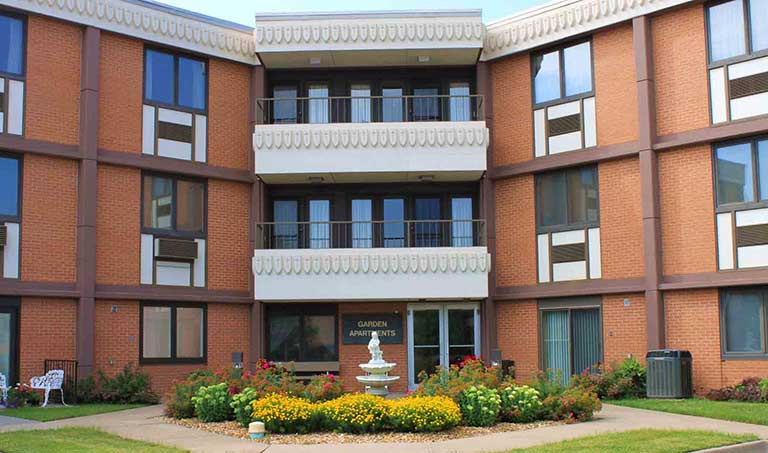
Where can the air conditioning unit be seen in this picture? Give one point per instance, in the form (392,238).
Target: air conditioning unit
(3,235)
(176,249)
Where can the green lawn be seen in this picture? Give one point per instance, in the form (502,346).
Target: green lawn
(75,440)
(645,440)
(756,413)
(46,414)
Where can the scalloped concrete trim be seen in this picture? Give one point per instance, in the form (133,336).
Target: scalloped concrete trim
(544,25)
(151,24)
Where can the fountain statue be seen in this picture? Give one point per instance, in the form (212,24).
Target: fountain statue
(377,378)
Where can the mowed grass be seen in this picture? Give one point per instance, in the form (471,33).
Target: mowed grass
(75,440)
(46,414)
(737,411)
(644,440)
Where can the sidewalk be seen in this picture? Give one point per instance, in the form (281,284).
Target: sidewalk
(141,424)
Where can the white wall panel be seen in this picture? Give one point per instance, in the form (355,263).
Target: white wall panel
(11,251)
(718,101)
(751,217)
(147,259)
(567,237)
(201,138)
(749,106)
(15,107)
(576,270)
(540,132)
(753,256)
(570,108)
(173,273)
(565,142)
(748,68)
(200,263)
(725,241)
(148,130)
(543,257)
(589,123)
(173,116)
(595,261)
(174,149)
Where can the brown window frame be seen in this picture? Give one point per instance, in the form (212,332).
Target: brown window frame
(173,359)
(20,184)
(302,310)
(566,226)
(748,54)
(728,355)
(743,205)
(173,232)
(175,105)
(569,304)
(562,99)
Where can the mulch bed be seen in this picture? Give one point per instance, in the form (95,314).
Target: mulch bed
(235,430)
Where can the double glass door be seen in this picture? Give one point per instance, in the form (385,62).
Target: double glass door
(440,335)
(8,342)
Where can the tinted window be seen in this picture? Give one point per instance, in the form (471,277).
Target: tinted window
(726,30)
(762,159)
(158,77)
(361,103)
(460,106)
(11,45)
(9,187)
(734,174)
(158,202)
(286,230)
(567,197)
(319,108)
(394,227)
(551,199)
(174,204)
(425,104)
(301,333)
(546,82)
(190,332)
(285,105)
(743,311)
(562,73)
(191,83)
(362,229)
(392,104)
(319,228)
(163,324)
(190,202)
(578,69)
(175,80)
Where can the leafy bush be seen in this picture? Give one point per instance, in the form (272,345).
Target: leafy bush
(87,391)
(128,387)
(457,378)
(750,389)
(764,388)
(548,383)
(480,405)
(242,406)
(355,413)
(323,387)
(212,403)
(22,395)
(573,405)
(625,380)
(422,414)
(520,404)
(272,378)
(285,414)
(178,402)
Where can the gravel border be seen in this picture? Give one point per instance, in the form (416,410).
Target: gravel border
(233,429)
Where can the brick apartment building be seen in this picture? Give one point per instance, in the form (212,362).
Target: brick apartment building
(576,183)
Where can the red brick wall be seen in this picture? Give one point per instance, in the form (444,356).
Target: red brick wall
(518,336)
(118,229)
(229,137)
(229,254)
(687,211)
(117,340)
(624,328)
(49,219)
(351,356)
(680,65)
(512,110)
(52,91)
(47,331)
(120,93)
(621,219)
(615,90)
(515,232)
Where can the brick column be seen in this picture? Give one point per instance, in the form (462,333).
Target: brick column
(649,181)
(86,198)
(257,90)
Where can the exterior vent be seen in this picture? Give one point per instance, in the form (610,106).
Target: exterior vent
(2,102)
(3,235)
(177,249)
(569,253)
(670,374)
(565,125)
(173,131)
(752,235)
(749,85)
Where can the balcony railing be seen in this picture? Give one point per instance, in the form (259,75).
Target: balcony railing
(369,109)
(371,234)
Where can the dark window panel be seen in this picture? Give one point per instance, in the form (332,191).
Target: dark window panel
(9,187)
(744,311)
(156,340)
(11,45)
(159,83)
(190,206)
(552,201)
(546,82)
(192,83)
(735,174)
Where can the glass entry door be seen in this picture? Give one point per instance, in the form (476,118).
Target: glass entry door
(440,335)
(9,337)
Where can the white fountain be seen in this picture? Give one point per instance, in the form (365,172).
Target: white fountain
(377,378)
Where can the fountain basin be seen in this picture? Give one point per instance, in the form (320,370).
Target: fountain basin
(377,384)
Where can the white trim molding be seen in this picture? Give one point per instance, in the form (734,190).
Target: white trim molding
(442,273)
(153,22)
(562,19)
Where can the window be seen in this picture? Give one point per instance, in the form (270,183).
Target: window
(571,336)
(302,333)
(286,228)
(743,321)
(319,224)
(362,228)
(174,206)
(175,80)
(361,103)
(394,225)
(567,198)
(736,28)
(285,105)
(460,106)
(10,188)
(392,104)
(425,104)
(562,73)
(173,333)
(742,172)
(319,107)
(11,45)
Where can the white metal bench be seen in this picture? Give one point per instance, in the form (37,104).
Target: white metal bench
(53,380)
(3,389)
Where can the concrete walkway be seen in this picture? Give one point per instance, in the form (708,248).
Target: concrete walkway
(142,424)
(13,421)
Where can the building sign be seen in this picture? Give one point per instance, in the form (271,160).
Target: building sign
(356,329)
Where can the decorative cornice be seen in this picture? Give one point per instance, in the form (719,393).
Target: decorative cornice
(371,135)
(294,262)
(543,25)
(369,33)
(152,22)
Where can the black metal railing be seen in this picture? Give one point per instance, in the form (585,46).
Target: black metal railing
(69,385)
(370,234)
(369,109)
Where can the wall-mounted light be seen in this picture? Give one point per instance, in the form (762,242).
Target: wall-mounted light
(315,61)
(422,58)
(316,179)
(426,178)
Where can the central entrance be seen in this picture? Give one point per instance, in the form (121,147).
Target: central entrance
(440,335)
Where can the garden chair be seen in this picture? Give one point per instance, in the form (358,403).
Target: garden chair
(53,380)
(3,389)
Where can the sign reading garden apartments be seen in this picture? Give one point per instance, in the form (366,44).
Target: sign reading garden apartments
(356,329)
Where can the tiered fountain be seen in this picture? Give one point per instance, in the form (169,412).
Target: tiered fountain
(377,378)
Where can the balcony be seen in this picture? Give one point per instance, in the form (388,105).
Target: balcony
(379,260)
(345,139)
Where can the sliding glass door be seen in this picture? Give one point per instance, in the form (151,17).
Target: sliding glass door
(9,340)
(571,341)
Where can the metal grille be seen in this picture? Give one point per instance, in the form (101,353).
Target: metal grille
(752,235)
(173,131)
(749,85)
(69,385)
(2,102)
(568,253)
(565,125)
(177,249)
(3,235)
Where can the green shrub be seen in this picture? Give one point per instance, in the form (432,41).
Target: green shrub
(285,414)
(355,413)
(22,395)
(242,406)
(480,405)
(625,380)
(178,402)
(128,387)
(763,384)
(548,383)
(323,387)
(270,377)
(87,391)
(453,381)
(520,404)
(424,414)
(573,405)
(212,403)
